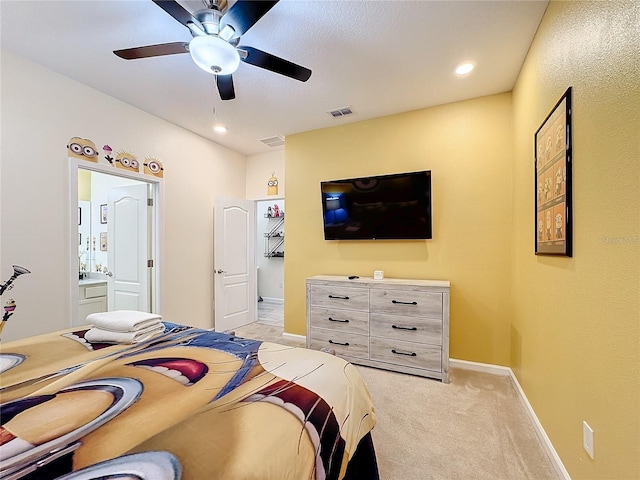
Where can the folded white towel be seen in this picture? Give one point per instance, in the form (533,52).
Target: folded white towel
(124,320)
(97,335)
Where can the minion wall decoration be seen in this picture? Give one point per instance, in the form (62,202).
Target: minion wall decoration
(153,166)
(127,161)
(82,149)
(272,185)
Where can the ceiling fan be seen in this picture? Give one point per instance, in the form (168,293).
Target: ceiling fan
(215,48)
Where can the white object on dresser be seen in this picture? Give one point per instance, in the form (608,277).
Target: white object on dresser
(394,324)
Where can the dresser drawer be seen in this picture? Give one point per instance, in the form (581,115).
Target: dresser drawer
(347,344)
(410,329)
(397,352)
(406,303)
(338,296)
(93,291)
(340,320)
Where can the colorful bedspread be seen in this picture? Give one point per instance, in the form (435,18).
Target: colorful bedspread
(189,404)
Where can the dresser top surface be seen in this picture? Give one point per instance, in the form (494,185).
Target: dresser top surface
(370,282)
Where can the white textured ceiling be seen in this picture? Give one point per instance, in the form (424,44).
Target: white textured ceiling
(379,57)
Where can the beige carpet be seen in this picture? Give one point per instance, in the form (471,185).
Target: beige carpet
(473,428)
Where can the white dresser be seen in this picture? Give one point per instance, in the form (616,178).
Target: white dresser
(394,324)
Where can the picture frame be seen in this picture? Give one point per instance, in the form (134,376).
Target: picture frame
(103,213)
(103,241)
(553,190)
(79,215)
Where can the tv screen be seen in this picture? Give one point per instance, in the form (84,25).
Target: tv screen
(384,207)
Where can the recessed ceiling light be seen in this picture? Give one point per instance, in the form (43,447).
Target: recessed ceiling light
(464,68)
(220,128)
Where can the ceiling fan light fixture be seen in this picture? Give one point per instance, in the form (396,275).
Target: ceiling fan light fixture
(214,55)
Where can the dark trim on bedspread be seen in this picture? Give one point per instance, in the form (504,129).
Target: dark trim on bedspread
(363,465)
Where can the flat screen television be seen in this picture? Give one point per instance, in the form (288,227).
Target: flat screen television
(384,207)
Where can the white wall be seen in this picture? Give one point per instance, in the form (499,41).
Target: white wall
(41,110)
(259,170)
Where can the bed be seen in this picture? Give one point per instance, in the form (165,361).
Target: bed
(187,404)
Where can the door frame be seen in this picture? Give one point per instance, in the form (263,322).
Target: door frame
(259,254)
(74,166)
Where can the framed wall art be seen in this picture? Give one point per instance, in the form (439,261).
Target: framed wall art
(103,213)
(553,182)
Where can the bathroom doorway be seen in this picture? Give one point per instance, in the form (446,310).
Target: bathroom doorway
(270,228)
(114,247)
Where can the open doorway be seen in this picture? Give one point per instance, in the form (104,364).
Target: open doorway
(270,227)
(114,242)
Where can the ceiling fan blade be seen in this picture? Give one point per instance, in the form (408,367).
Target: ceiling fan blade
(225,87)
(153,50)
(275,64)
(245,13)
(176,11)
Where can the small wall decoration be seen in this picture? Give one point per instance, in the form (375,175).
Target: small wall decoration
(83,149)
(103,241)
(553,182)
(127,161)
(153,166)
(103,213)
(107,154)
(272,185)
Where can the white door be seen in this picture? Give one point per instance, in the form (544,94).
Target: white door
(128,246)
(234,264)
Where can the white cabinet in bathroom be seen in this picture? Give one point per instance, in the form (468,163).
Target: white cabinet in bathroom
(92,298)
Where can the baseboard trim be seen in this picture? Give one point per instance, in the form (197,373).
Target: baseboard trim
(480,367)
(301,339)
(542,435)
(276,301)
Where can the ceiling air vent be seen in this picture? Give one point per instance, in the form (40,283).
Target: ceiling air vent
(276,141)
(340,112)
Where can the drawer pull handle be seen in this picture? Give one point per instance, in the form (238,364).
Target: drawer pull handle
(346,344)
(412,354)
(336,320)
(404,303)
(404,328)
(341,298)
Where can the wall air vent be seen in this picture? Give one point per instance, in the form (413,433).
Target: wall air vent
(340,112)
(276,141)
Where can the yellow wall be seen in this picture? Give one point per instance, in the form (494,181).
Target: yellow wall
(575,341)
(84,185)
(569,327)
(468,148)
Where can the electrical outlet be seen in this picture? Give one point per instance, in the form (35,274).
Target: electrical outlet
(587,438)
(281,284)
